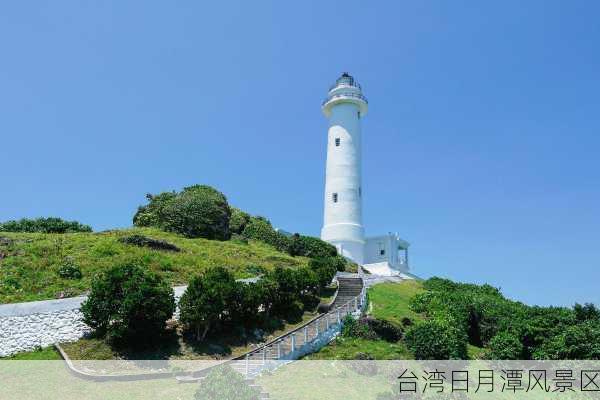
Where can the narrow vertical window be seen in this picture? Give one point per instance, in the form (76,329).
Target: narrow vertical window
(337,141)
(359,191)
(334,197)
(381,249)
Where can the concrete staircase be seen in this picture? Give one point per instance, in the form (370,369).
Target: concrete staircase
(348,289)
(283,349)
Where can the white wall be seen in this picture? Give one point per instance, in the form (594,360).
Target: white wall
(25,326)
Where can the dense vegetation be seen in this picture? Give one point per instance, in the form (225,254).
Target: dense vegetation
(196,211)
(216,302)
(44,225)
(481,316)
(129,306)
(441,319)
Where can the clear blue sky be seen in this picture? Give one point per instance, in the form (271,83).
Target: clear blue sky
(481,146)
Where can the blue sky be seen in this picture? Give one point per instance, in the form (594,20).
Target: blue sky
(480,148)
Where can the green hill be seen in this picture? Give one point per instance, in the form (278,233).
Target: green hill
(31,263)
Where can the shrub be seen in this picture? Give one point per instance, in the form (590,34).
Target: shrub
(143,241)
(577,342)
(436,340)
(505,346)
(353,328)
(205,301)
(223,383)
(69,270)
(44,225)
(238,221)
(406,322)
(290,292)
(129,305)
(196,211)
(384,330)
(244,306)
(586,312)
(313,247)
(324,269)
(261,229)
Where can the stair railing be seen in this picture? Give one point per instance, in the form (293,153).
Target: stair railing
(287,346)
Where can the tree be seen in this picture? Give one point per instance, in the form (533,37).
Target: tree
(577,342)
(324,269)
(436,340)
(238,221)
(505,346)
(129,305)
(586,312)
(244,306)
(206,300)
(44,225)
(196,211)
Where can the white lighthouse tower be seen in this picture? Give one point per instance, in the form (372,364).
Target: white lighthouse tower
(387,254)
(344,106)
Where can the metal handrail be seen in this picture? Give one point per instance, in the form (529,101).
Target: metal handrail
(356,302)
(345,83)
(335,96)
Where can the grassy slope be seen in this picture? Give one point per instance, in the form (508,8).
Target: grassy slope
(387,301)
(28,266)
(390,301)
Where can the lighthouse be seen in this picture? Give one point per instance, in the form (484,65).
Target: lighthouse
(344,107)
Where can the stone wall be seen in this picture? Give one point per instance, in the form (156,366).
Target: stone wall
(26,326)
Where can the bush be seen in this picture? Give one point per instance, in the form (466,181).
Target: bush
(586,312)
(196,211)
(143,241)
(238,221)
(129,305)
(324,269)
(578,342)
(353,328)
(406,322)
(223,383)
(312,247)
(245,304)
(259,228)
(436,340)
(206,300)
(505,346)
(44,225)
(69,270)
(384,330)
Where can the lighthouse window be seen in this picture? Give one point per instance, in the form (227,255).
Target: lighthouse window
(381,249)
(334,197)
(337,141)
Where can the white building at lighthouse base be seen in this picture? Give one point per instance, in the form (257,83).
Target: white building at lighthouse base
(386,255)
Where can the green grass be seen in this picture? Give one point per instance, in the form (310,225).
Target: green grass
(47,353)
(474,352)
(29,263)
(390,301)
(348,348)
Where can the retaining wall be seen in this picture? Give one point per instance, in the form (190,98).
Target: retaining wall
(26,326)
